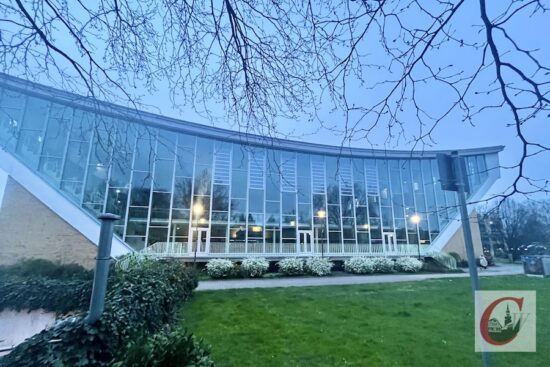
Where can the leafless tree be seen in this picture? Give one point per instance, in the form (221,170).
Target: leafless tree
(267,61)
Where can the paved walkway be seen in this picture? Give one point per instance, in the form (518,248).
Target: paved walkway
(501,269)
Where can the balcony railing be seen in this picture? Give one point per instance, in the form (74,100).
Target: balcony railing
(242,249)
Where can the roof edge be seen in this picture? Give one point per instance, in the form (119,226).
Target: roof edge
(156,120)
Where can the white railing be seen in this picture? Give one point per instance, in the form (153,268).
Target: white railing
(241,249)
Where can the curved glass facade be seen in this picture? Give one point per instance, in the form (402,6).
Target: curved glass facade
(178,193)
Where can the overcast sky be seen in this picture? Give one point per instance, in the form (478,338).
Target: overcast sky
(453,133)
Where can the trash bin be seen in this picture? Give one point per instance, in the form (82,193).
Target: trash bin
(536,265)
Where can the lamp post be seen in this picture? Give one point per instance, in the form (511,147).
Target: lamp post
(321,214)
(197,212)
(415,219)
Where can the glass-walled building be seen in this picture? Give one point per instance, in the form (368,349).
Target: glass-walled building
(182,188)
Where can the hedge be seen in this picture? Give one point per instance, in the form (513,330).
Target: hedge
(167,348)
(140,302)
(48,294)
(40,268)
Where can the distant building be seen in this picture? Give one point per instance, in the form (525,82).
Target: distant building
(182,188)
(495,326)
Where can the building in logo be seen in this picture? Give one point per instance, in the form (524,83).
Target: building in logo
(517,332)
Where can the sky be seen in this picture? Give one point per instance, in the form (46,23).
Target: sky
(490,127)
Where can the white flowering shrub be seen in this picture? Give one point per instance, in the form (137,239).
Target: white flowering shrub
(254,267)
(359,265)
(220,268)
(383,265)
(447,261)
(408,265)
(291,266)
(319,266)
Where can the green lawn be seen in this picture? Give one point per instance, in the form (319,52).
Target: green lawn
(428,323)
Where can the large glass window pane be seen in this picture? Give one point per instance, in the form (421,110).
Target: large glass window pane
(203,180)
(289,203)
(238,184)
(348,228)
(96,183)
(347,206)
(182,192)
(273,187)
(141,187)
(75,162)
(205,151)
(304,190)
(51,167)
(160,209)
(185,162)
(164,170)
(116,202)
(137,221)
(333,217)
(273,213)
(240,157)
(28,146)
(82,126)
(35,114)
(220,198)
(361,217)
(56,137)
(256,201)
(144,155)
(304,216)
(101,148)
(238,211)
(166,144)
(157,235)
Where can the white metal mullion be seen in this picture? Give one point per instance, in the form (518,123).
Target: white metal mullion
(425,200)
(43,137)
(404,206)
(87,166)
(171,242)
(66,148)
(352,177)
(152,174)
(230,184)
(390,187)
(211,214)
(191,214)
(414,200)
(365,185)
(130,189)
(435,195)
(264,220)
(246,205)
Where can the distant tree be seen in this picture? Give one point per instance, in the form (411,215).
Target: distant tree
(523,222)
(269,60)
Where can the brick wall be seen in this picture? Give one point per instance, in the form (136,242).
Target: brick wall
(456,243)
(29,229)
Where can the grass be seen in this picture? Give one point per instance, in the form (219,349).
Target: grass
(428,323)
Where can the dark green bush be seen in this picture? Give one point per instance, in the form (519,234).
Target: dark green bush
(54,295)
(35,268)
(140,302)
(165,349)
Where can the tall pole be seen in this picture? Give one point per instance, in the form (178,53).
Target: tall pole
(465,219)
(101,273)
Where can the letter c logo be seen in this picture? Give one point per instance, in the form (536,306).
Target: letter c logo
(484,322)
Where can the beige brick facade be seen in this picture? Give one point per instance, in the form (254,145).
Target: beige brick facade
(29,229)
(456,243)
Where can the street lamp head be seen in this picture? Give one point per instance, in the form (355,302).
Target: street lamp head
(321,214)
(198,209)
(415,218)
